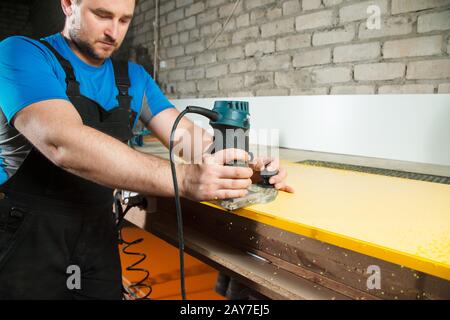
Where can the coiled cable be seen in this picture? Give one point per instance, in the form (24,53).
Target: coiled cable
(143,284)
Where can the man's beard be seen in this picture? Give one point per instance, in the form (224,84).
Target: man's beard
(85,47)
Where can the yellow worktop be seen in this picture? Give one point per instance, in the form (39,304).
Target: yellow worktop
(402,221)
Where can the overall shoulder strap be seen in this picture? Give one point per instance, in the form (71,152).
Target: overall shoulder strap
(122,82)
(73,86)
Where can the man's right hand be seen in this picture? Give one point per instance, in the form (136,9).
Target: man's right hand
(212,179)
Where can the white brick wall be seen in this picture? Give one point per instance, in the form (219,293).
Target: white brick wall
(332,75)
(243,66)
(311,4)
(356,52)
(406,89)
(330,3)
(259,80)
(341,34)
(434,21)
(272,92)
(432,69)
(299,91)
(207,85)
(217,71)
(263,47)
(231,83)
(194,74)
(245,35)
(277,28)
(311,58)
(421,46)
(177,75)
(290,47)
(185,87)
(444,88)
(402,6)
(293,42)
(291,6)
(231,53)
(275,62)
(315,20)
(195,9)
(379,71)
(390,26)
(358,11)
(293,79)
(352,89)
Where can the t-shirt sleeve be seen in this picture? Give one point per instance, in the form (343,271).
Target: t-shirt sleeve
(154,100)
(27,76)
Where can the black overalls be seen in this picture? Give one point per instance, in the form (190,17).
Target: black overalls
(52,220)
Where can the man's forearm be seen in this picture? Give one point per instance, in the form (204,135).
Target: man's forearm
(100,158)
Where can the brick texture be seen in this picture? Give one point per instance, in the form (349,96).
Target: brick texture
(295,47)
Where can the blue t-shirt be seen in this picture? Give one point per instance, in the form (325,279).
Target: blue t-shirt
(29,73)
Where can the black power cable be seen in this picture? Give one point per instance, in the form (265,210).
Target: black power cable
(143,283)
(213,116)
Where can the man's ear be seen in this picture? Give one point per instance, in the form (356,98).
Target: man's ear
(66,6)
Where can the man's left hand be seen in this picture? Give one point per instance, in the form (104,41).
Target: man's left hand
(270,164)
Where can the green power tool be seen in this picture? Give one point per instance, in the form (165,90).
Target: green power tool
(231,130)
(231,123)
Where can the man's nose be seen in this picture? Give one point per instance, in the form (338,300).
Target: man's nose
(112,31)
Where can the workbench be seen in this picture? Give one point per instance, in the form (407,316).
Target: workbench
(328,240)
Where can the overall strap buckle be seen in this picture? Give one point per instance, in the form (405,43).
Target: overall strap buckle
(122,82)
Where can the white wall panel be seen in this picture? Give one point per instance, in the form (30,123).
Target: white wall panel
(401,127)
